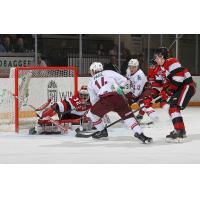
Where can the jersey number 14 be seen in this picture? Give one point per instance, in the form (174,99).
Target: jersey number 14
(103,82)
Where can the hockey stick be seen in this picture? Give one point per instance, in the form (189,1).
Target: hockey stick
(57,124)
(79,134)
(38,109)
(42,107)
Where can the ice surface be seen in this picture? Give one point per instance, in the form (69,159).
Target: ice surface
(121,147)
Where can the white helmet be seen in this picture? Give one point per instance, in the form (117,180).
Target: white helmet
(96,67)
(133,62)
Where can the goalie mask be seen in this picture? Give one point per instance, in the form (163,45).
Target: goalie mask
(83,93)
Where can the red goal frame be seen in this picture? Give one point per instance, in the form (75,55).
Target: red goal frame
(16,87)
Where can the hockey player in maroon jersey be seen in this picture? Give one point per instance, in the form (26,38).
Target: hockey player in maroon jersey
(106,95)
(180,90)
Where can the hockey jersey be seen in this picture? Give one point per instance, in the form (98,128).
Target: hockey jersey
(137,81)
(104,82)
(157,78)
(74,104)
(176,74)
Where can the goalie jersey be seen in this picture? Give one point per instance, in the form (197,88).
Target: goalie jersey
(74,104)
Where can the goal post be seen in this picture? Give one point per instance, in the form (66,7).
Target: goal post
(35,85)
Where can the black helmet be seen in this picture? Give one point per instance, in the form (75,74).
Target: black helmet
(162,51)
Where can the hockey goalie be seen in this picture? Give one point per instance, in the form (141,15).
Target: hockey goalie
(54,118)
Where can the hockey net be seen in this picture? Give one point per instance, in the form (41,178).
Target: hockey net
(33,86)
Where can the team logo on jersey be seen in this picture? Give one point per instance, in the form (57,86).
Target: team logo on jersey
(52,91)
(139,77)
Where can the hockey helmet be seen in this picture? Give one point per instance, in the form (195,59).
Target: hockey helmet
(133,62)
(83,92)
(96,67)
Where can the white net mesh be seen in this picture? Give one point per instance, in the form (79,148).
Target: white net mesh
(35,87)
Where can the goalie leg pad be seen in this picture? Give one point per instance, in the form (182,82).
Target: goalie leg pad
(49,112)
(44,130)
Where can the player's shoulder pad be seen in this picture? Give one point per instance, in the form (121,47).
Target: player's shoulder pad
(170,61)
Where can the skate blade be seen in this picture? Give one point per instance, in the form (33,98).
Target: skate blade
(177,140)
(101,139)
(148,141)
(145,142)
(79,135)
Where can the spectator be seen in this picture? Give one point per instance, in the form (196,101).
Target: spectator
(6,45)
(140,57)
(100,51)
(112,65)
(19,47)
(125,52)
(113,51)
(41,62)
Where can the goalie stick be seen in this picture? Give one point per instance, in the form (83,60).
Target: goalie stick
(42,107)
(79,134)
(39,109)
(57,124)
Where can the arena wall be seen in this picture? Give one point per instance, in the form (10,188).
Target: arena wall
(64,91)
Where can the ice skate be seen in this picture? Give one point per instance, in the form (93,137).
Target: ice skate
(176,136)
(143,138)
(100,134)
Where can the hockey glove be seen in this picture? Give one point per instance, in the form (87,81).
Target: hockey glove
(117,89)
(120,91)
(169,91)
(147,103)
(164,95)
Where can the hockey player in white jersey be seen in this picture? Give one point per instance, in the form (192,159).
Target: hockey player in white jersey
(136,76)
(106,95)
(138,81)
